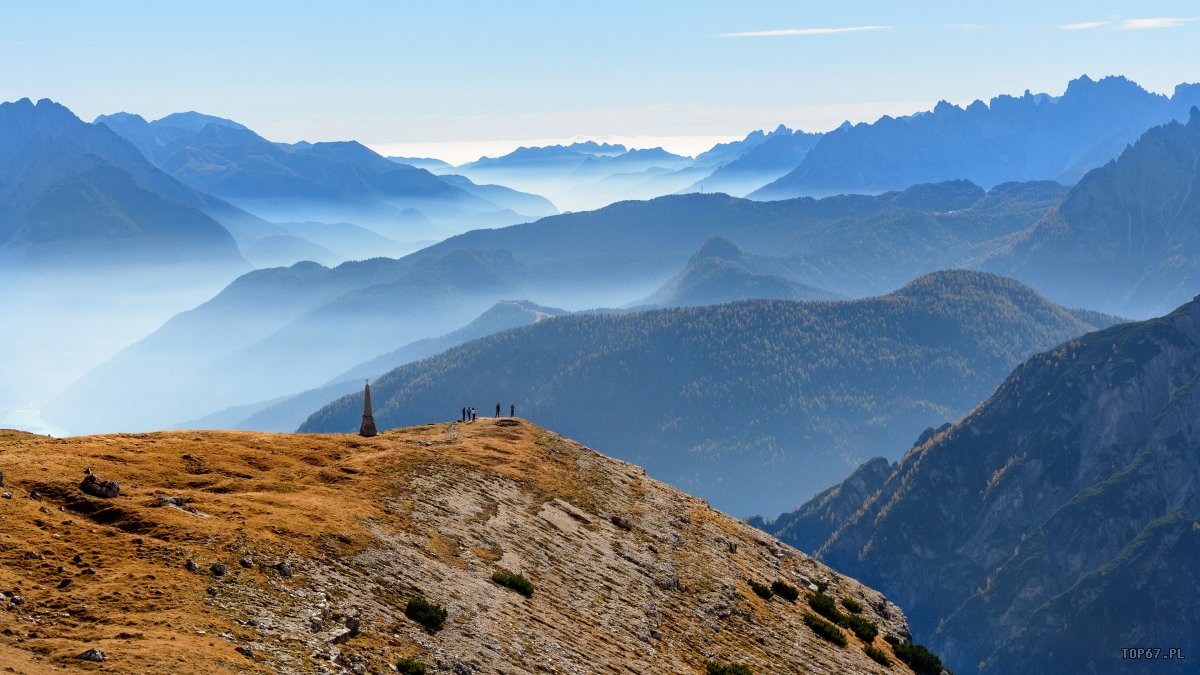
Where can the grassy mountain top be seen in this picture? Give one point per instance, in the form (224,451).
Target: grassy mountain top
(626,573)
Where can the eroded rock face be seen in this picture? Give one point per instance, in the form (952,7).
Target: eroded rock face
(106,489)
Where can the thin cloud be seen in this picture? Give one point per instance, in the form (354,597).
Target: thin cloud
(1131,24)
(787,32)
(1146,24)
(1086,25)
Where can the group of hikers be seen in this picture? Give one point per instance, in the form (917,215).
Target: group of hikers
(469,412)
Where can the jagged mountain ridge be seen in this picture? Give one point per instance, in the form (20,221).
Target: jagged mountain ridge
(1056,523)
(1010,138)
(627,573)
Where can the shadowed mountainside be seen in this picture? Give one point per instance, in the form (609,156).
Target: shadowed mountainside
(1055,524)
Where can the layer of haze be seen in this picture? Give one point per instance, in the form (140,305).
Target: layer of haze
(483,77)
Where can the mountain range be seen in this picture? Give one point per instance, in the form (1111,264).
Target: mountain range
(241,346)
(1030,137)
(326,182)
(1055,524)
(72,194)
(747,404)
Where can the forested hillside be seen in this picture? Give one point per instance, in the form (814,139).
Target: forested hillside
(754,405)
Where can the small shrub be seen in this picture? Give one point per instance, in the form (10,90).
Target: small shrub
(825,629)
(821,586)
(760,590)
(407,666)
(878,656)
(864,629)
(514,581)
(428,614)
(715,668)
(852,605)
(920,659)
(785,590)
(826,606)
(891,639)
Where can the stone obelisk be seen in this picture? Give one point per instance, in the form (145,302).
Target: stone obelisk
(368,423)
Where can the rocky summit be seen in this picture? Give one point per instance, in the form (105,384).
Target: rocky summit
(487,547)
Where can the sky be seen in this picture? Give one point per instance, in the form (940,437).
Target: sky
(457,80)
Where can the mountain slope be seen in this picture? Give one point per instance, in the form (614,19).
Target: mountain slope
(779,153)
(1058,522)
(243,345)
(1009,139)
(753,404)
(628,574)
(72,194)
(1125,239)
(289,413)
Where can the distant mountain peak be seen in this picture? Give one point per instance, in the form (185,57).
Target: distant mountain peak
(194,121)
(717,247)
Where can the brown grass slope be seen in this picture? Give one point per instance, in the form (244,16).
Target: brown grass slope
(630,576)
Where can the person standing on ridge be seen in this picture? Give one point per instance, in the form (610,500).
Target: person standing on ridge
(464,414)
(497,410)
(512,409)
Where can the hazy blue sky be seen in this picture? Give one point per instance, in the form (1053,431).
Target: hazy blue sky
(461,78)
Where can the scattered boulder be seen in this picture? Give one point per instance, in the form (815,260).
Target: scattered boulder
(77,559)
(621,523)
(245,651)
(35,496)
(106,489)
(88,572)
(93,654)
(1,479)
(192,566)
(246,562)
(63,584)
(284,569)
(7,495)
(218,569)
